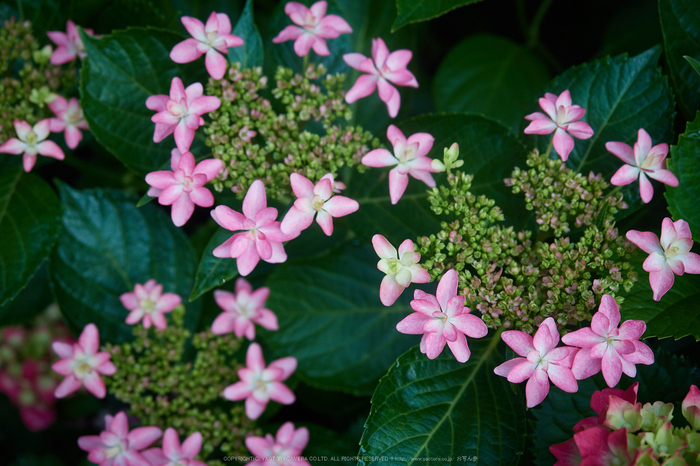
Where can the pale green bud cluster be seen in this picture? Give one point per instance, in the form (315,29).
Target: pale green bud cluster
(297,132)
(516,282)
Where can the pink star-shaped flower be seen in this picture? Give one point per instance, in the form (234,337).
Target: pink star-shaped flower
(32,141)
(181,112)
(313,26)
(383,68)
(410,158)
(148,303)
(282,450)
(173,453)
(441,319)
(82,364)
(260,384)
(561,117)
(667,257)
(183,187)
(212,39)
(69,44)
(315,201)
(607,347)
(401,269)
(69,119)
(243,310)
(261,237)
(542,362)
(118,446)
(642,161)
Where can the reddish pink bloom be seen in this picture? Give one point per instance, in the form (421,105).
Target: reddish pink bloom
(283,449)
(441,319)
(383,68)
(69,44)
(183,187)
(174,454)
(82,364)
(607,347)
(69,119)
(32,141)
(312,28)
(148,303)
(542,362)
(566,453)
(260,384)
(600,402)
(410,158)
(642,161)
(668,257)
(561,117)
(212,39)
(181,112)
(401,269)
(118,446)
(599,446)
(261,237)
(243,310)
(315,200)
(691,407)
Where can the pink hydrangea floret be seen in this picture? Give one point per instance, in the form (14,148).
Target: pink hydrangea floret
(180,112)
(562,118)
(173,453)
(70,46)
(261,236)
(691,407)
(260,384)
(401,268)
(213,39)
(283,449)
(383,68)
(443,318)
(669,256)
(642,161)
(183,187)
(148,304)
(315,201)
(409,158)
(542,361)
(117,445)
(82,363)
(312,28)
(606,347)
(31,141)
(69,120)
(242,310)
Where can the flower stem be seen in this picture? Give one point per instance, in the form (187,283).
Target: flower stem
(549,148)
(534,30)
(305,64)
(20,9)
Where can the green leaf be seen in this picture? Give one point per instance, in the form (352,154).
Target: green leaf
(213,271)
(106,246)
(680,24)
(490,75)
(31,301)
(685,164)
(414,11)
(332,321)
(29,226)
(457,413)
(122,70)
(251,53)
(694,63)
(620,96)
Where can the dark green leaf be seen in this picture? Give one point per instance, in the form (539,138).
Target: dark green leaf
(29,226)
(680,24)
(106,246)
(457,413)
(122,70)
(414,11)
(694,63)
(685,164)
(213,271)
(251,53)
(620,96)
(490,75)
(332,321)
(32,301)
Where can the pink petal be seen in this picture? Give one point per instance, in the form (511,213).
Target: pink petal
(195,27)
(186,51)
(237,391)
(63,350)
(459,348)
(380,52)
(94,384)
(281,393)
(354,60)
(325,221)
(563,378)
(255,199)
(67,386)
(303,44)
(389,95)
(50,149)
(320,46)
(229,218)
(247,260)
(625,175)
(192,445)
(339,206)
(434,344)
(563,143)
(205,104)
(389,290)
(664,176)
(397,185)
(202,197)
(142,437)
(267,319)
(647,241)
(89,339)
(632,330)
(504,369)
(470,325)
(661,282)
(611,367)
(364,86)
(28,161)
(379,158)
(537,388)
(641,355)
(540,126)
(216,64)
(383,248)
(182,209)
(621,150)
(521,372)
(288,33)
(583,338)
(413,323)
(584,366)
(520,342)
(580,130)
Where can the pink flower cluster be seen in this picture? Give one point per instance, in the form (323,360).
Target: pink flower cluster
(148,304)
(283,449)
(242,310)
(312,28)
(70,46)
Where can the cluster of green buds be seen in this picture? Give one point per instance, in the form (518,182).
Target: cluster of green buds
(28,81)
(296,133)
(169,383)
(516,281)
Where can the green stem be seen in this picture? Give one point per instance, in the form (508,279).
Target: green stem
(305,64)
(614,191)
(20,9)
(549,148)
(534,31)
